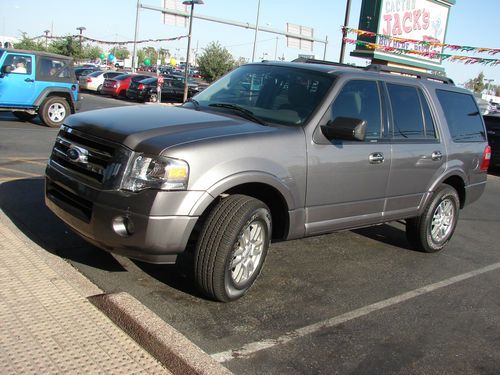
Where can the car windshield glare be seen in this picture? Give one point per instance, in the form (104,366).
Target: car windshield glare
(274,94)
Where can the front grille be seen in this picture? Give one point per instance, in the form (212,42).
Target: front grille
(93,159)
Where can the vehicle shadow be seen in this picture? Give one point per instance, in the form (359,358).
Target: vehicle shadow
(393,234)
(23,202)
(8,116)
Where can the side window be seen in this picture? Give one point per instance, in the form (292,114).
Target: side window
(20,64)
(462,115)
(52,69)
(360,100)
(411,114)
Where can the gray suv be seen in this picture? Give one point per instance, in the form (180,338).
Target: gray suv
(271,151)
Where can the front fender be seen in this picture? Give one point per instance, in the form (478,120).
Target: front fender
(242,178)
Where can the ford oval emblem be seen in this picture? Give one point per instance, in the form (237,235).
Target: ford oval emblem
(73,154)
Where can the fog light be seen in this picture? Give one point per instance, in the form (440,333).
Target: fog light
(123,226)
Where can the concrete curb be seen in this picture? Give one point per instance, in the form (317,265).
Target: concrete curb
(178,354)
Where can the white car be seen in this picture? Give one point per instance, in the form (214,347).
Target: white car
(94,81)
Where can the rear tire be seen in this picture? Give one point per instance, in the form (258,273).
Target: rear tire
(431,231)
(232,247)
(54,111)
(24,116)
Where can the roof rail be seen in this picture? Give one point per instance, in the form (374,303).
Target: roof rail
(408,72)
(322,62)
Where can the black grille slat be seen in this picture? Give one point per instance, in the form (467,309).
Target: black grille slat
(78,206)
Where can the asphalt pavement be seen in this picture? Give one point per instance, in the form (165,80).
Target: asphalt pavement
(352,302)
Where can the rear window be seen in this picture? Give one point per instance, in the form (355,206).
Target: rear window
(122,77)
(95,74)
(462,115)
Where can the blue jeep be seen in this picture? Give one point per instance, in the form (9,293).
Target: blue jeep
(40,83)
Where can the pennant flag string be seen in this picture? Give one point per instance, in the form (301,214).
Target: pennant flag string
(86,38)
(453,47)
(428,54)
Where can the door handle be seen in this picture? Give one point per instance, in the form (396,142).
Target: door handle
(376,158)
(29,80)
(436,155)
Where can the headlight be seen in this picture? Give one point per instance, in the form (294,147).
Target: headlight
(155,172)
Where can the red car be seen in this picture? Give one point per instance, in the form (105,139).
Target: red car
(118,85)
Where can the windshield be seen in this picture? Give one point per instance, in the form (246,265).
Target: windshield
(283,95)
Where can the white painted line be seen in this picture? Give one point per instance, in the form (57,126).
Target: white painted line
(254,347)
(18,171)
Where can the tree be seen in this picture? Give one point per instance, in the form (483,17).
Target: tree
(91,52)
(66,46)
(121,53)
(30,44)
(476,84)
(215,61)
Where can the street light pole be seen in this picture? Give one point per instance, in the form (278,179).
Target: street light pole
(344,32)
(134,51)
(46,38)
(256,31)
(186,69)
(81,28)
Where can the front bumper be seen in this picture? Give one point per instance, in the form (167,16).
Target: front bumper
(160,219)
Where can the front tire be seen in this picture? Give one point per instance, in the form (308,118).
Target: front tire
(54,111)
(432,231)
(232,247)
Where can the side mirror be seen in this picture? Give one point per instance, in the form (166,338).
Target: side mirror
(346,128)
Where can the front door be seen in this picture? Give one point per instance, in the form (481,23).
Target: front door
(347,180)
(17,87)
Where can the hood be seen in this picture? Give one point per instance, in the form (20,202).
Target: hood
(152,129)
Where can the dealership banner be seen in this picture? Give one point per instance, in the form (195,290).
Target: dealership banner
(413,21)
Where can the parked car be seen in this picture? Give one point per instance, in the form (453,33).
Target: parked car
(94,81)
(147,90)
(304,149)
(118,85)
(492,123)
(38,83)
(83,71)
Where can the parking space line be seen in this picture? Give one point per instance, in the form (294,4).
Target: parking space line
(257,346)
(18,171)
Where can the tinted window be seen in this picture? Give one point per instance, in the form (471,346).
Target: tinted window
(409,119)
(360,100)
(462,115)
(53,68)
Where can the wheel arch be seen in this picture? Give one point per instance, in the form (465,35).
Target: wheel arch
(52,91)
(264,187)
(456,179)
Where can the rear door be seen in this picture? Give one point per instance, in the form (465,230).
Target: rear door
(418,153)
(17,88)
(347,180)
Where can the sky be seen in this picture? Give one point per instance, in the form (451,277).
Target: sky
(471,23)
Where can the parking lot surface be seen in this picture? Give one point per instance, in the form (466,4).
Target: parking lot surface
(352,302)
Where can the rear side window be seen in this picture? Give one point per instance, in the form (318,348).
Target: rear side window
(411,114)
(462,115)
(53,69)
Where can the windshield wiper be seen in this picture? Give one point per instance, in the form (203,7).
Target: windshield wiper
(195,103)
(242,112)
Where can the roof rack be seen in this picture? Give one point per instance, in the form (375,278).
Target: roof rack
(408,72)
(322,62)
